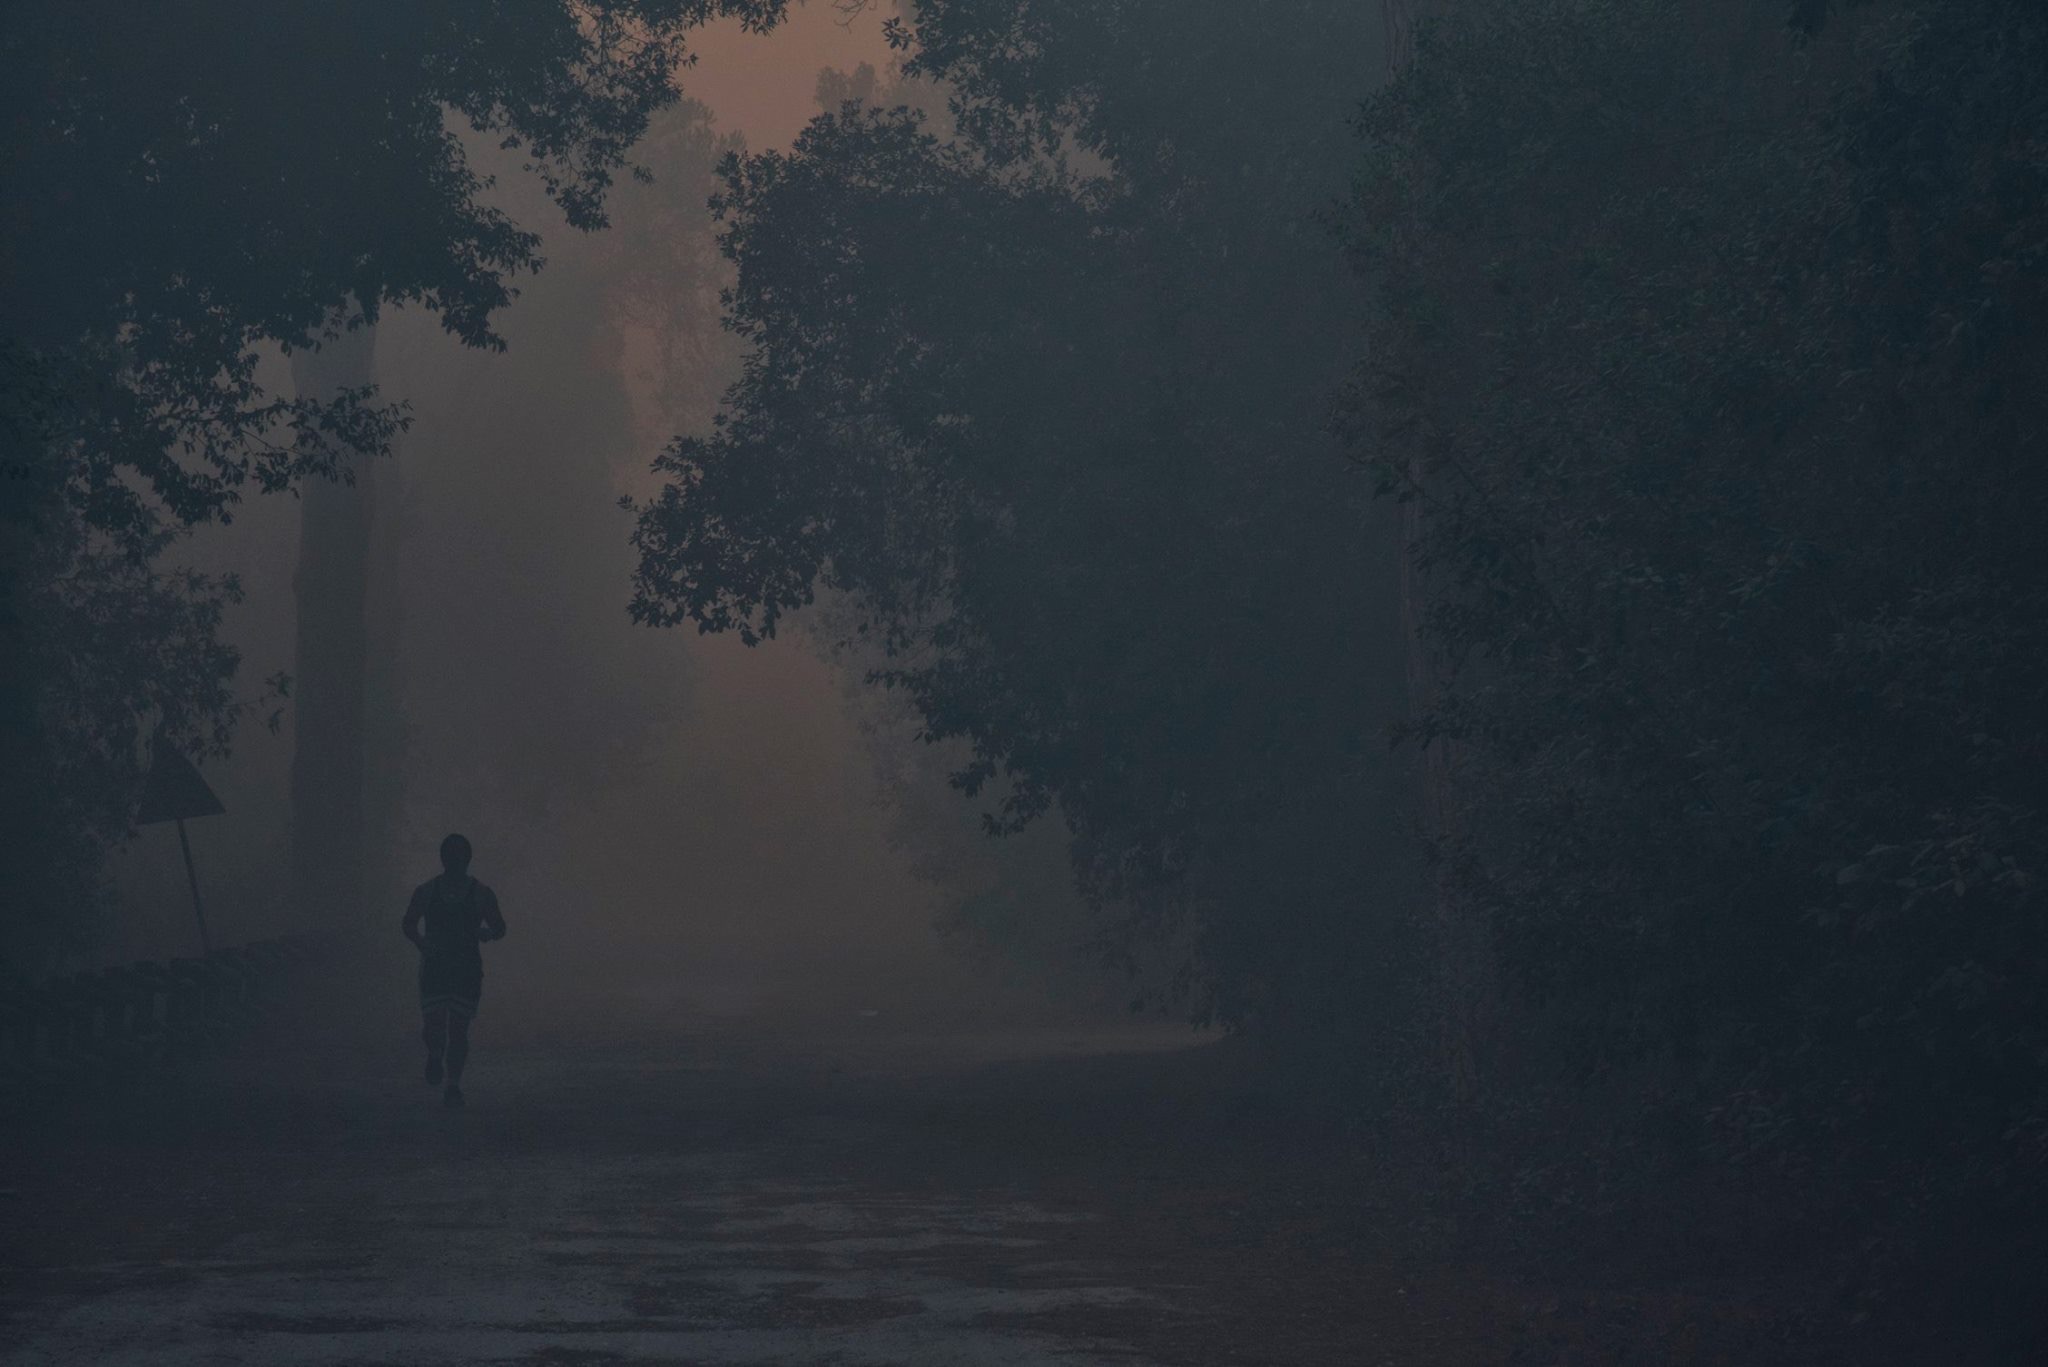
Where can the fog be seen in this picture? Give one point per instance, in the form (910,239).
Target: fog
(676,825)
(1159,682)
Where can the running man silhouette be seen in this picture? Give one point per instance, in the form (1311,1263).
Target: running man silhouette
(447,919)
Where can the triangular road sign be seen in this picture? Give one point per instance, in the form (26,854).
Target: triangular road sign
(174,790)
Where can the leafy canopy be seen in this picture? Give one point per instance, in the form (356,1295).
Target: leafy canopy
(1044,398)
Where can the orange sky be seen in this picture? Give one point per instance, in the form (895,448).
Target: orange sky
(762,85)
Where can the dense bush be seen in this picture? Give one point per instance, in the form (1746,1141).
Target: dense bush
(1713,361)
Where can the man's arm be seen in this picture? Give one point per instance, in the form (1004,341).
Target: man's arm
(494,921)
(411,924)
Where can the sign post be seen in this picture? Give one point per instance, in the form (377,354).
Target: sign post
(173,791)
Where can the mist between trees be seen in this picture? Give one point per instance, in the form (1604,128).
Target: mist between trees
(1492,547)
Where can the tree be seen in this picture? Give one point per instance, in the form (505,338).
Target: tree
(1722,350)
(187,184)
(333,660)
(1046,399)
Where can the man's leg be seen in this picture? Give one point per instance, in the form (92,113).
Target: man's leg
(434,1028)
(458,1046)
(462,1000)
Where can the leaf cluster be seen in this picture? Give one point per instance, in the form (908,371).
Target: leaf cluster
(1044,398)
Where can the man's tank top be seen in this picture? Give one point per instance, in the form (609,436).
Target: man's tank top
(450,920)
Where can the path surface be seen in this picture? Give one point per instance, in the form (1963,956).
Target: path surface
(860,1199)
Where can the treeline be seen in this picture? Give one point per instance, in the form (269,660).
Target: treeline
(1636,408)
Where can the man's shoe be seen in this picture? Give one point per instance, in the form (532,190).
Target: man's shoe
(433,1071)
(453,1096)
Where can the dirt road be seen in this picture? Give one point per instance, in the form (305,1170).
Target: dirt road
(858,1196)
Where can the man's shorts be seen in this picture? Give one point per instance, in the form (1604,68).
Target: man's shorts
(452,983)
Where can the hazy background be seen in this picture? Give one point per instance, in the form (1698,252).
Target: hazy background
(674,823)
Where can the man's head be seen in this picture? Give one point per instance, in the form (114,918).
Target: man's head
(455,854)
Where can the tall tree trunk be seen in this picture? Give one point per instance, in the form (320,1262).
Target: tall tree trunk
(385,734)
(31,886)
(332,659)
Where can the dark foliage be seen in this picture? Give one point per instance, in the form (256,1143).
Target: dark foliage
(1732,470)
(1703,349)
(1714,362)
(1046,399)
